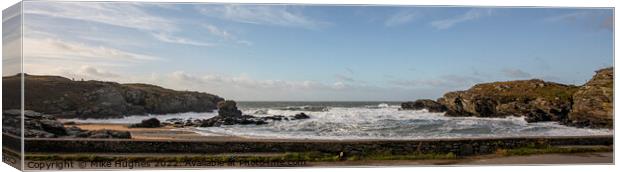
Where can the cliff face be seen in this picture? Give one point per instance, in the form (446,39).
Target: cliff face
(63,97)
(537,100)
(593,102)
(590,105)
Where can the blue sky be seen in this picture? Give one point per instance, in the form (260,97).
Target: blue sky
(312,53)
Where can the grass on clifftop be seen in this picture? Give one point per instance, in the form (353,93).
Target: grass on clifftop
(526,89)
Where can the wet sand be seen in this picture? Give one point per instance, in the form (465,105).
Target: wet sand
(163,133)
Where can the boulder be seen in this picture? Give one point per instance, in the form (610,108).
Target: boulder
(147,123)
(593,102)
(430,105)
(228,108)
(301,116)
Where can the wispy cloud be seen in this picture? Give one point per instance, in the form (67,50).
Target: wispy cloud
(472,14)
(573,16)
(224,34)
(128,15)
(165,37)
(52,48)
(589,19)
(345,78)
(445,81)
(217,31)
(515,73)
(402,17)
(119,14)
(277,15)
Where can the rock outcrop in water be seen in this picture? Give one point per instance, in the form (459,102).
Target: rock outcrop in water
(430,105)
(593,102)
(590,105)
(228,114)
(38,125)
(63,97)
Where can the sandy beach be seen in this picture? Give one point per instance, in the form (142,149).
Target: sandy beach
(163,133)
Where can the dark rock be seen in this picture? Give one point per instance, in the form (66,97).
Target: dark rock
(228,108)
(38,125)
(307,108)
(593,102)
(430,105)
(109,134)
(148,123)
(466,149)
(301,116)
(274,117)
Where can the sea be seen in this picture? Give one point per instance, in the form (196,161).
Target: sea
(365,121)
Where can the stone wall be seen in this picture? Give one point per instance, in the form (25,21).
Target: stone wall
(456,146)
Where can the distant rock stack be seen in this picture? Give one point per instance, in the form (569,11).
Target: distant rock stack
(430,105)
(228,109)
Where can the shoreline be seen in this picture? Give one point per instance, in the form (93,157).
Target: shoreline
(172,133)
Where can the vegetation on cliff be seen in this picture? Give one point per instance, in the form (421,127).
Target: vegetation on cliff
(535,99)
(593,103)
(63,97)
(590,105)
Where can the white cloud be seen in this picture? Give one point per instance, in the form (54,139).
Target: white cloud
(472,14)
(165,37)
(278,15)
(515,73)
(401,18)
(224,34)
(52,48)
(217,31)
(92,71)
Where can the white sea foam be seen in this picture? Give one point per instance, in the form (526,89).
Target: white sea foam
(381,121)
(387,122)
(139,118)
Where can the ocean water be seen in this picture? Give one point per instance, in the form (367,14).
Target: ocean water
(367,120)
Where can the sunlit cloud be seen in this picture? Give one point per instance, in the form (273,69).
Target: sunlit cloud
(276,15)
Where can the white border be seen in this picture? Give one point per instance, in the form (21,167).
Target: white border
(515,3)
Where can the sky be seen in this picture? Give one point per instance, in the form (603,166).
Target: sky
(313,52)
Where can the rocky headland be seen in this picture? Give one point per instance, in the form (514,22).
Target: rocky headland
(67,98)
(590,105)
